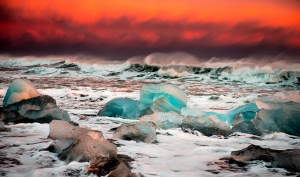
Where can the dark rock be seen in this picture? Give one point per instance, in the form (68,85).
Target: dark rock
(102,166)
(121,171)
(288,159)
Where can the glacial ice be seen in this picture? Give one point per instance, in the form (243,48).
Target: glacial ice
(280,117)
(164,120)
(43,109)
(197,112)
(138,131)
(241,125)
(162,97)
(74,143)
(248,112)
(64,130)
(121,107)
(208,125)
(18,90)
(88,146)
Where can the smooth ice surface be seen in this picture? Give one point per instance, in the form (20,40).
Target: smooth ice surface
(139,132)
(121,107)
(164,120)
(42,107)
(208,125)
(79,144)
(248,111)
(279,117)
(64,130)
(162,97)
(198,112)
(87,146)
(18,90)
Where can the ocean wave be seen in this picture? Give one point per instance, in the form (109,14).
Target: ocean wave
(129,70)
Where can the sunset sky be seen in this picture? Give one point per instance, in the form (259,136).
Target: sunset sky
(120,29)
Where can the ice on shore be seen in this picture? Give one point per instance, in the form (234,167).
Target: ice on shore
(121,107)
(164,120)
(74,143)
(162,97)
(64,130)
(138,131)
(42,108)
(279,117)
(153,97)
(248,112)
(18,90)
(208,125)
(197,112)
(88,146)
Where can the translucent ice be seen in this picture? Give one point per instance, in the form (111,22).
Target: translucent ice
(64,130)
(88,146)
(248,112)
(18,90)
(162,97)
(43,108)
(139,131)
(280,117)
(241,125)
(121,107)
(198,112)
(79,144)
(209,126)
(164,120)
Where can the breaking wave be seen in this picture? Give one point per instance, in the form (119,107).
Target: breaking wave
(152,69)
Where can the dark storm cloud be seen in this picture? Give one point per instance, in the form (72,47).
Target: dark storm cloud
(124,37)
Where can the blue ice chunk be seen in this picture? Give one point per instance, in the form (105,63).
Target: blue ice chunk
(18,90)
(222,117)
(121,107)
(199,113)
(248,111)
(162,97)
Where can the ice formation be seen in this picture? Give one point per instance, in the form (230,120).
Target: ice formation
(121,107)
(248,112)
(64,130)
(266,116)
(162,97)
(279,117)
(289,159)
(88,146)
(42,109)
(208,125)
(78,144)
(153,97)
(139,132)
(164,120)
(241,125)
(18,90)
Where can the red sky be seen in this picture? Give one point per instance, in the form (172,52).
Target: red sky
(125,28)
